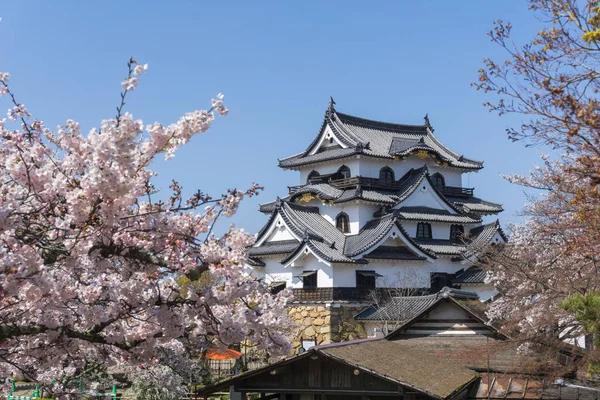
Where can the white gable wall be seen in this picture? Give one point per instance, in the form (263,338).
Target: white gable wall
(280,233)
(425,196)
(447,319)
(359,213)
(325,138)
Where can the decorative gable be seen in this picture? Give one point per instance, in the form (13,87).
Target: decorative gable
(447,318)
(425,195)
(326,139)
(453,313)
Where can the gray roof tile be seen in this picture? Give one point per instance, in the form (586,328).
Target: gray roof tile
(278,247)
(377,139)
(471,275)
(431,214)
(442,246)
(476,205)
(397,309)
(393,253)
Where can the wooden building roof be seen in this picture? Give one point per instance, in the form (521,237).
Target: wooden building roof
(446,350)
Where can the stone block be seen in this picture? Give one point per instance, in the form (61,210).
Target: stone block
(309,332)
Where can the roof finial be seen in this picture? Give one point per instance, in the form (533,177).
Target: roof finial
(330,108)
(427,123)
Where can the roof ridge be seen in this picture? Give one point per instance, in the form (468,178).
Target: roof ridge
(369,122)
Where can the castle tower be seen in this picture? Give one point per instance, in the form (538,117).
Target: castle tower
(379,206)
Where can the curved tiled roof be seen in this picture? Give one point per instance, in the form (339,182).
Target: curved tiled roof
(476,205)
(431,214)
(404,308)
(324,190)
(471,275)
(482,237)
(276,247)
(376,139)
(327,242)
(393,253)
(370,234)
(443,246)
(397,309)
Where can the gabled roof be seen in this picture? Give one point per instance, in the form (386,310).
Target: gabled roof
(468,301)
(400,308)
(376,139)
(437,367)
(482,236)
(376,231)
(319,236)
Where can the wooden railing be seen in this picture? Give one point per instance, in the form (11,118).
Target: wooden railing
(457,191)
(367,183)
(364,181)
(350,293)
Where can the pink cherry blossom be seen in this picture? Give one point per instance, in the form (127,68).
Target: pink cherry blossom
(97,271)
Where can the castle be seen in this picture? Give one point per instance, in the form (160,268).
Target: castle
(379,207)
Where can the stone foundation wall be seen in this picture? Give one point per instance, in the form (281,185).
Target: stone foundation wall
(329,323)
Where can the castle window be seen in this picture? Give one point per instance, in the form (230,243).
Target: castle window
(312,175)
(366,279)
(309,279)
(423,230)
(276,287)
(342,222)
(456,232)
(330,140)
(438,180)
(386,175)
(344,172)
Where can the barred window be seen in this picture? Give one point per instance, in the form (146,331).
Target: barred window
(456,232)
(386,174)
(423,230)
(342,222)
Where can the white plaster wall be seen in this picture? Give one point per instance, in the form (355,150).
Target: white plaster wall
(330,168)
(485,292)
(438,231)
(370,167)
(330,212)
(274,271)
(395,274)
(374,329)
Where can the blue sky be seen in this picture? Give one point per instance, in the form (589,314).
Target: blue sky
(277,64)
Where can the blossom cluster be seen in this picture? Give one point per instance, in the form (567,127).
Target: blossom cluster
(94,270)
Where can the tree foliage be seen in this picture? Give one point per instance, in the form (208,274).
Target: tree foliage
(92,260)
(550,267)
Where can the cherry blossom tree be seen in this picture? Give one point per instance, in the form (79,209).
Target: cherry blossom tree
(92,261)
(552,259)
